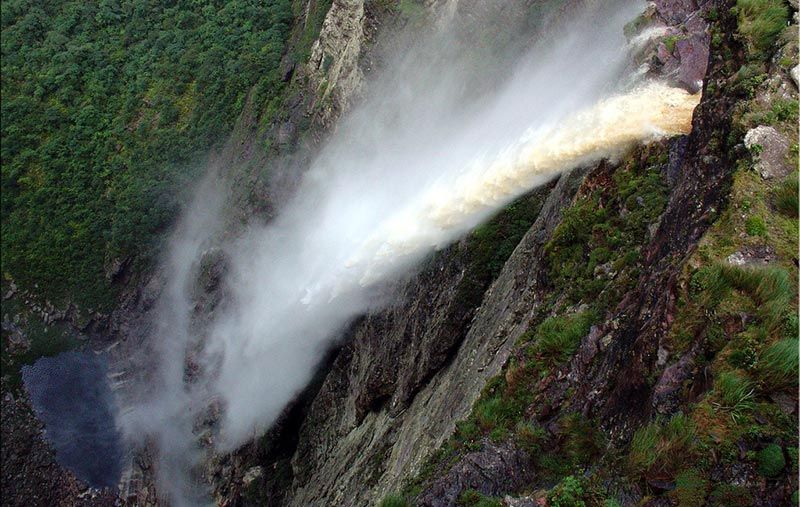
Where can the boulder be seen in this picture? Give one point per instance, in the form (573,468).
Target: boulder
(770,150)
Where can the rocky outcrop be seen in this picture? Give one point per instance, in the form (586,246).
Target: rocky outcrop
(676,41)
(492,471)
(770,150)
(333,68)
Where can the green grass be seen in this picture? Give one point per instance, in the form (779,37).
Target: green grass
(557,338)
(394,501)
(760,22)
(690,489)
(735,394)
(658,448)
(778,364)
(771,461)
(771,289)
(785,196)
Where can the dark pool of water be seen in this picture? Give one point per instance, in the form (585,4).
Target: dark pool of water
(71,396)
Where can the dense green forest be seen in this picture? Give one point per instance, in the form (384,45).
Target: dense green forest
(108,109)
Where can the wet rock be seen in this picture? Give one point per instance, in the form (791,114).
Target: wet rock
(770,150)
(686,60)
(661,485)
(12,290)
(115,267)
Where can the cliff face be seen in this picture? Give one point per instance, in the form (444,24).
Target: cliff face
(406,376)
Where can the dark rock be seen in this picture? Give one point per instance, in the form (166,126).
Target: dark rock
(492,471)
(667,394)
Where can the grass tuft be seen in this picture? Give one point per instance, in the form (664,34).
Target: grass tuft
(778,365)
(785,196)
(559,337)
(735,395)
(474,498)
(662,449)
(760,22)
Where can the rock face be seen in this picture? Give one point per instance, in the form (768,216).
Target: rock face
(333,67)
(770,150)
(492,470)
(349,456)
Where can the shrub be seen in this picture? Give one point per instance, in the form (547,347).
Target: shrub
(394,501)
(734,394)
(755,226)
(760,22)
(778,365)
(569,493)
(748,78)
(784,110)
(690,489)
(771,461)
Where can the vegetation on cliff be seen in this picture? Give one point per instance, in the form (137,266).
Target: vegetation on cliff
(731,437)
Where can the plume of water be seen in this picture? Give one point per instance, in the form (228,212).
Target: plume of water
(436,146)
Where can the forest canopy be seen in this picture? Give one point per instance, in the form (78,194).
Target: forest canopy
(107,111)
